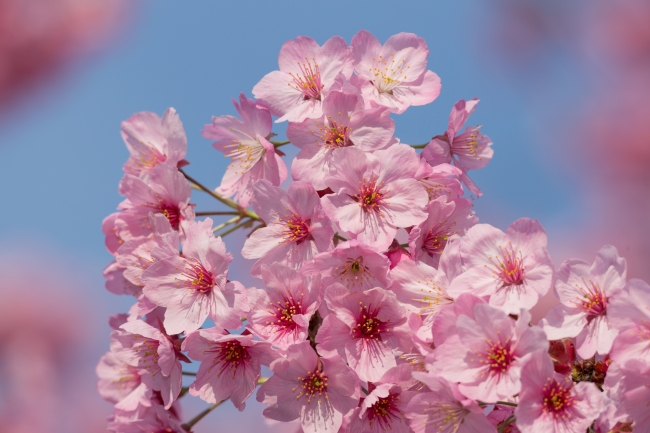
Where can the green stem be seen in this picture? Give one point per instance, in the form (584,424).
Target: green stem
(228,202)
(505,403)
(183,391)
(188,373)
(227,223)
(506,423)
(419,146)
(262,380)
(279,143)
(365,391)
(339,237)
(188,425)
(209,213)
(232,229)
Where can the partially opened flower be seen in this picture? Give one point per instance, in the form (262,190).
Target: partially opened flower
(246,141)
(230,364)
(153,140)
(468,150)
(194,286)
(296,226)
(584,292)
(318,391)
(307,73)
(440,181)
(393,75)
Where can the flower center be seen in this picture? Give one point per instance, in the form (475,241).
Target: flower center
(353,272)
(308,80)
(148,355)
(388,73)
(370,197)
(244,155)
(468,143)
(284,312)
(384,411)
(436,238)
(509,267)
(144,158)
(313,385)
(369,327)
(498,356)
(444,417)
(172,213)
(336,136)
(557,398)
(432,297)
(198,279)
(593,301)
(295,228)
(229,355)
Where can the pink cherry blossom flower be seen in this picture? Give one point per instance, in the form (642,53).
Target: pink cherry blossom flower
(154,354)
(487,353)
(230,364)
(385,406)
(247,142)
(442,408)
(550,402)
(396,254)
(444,322)
(393,75)
(296,226)
(319,391)
(166,192)
(352,264)
(307,73)
(629,312)
(513,268)
(116,283)
(363,328)
(112,240)
(501,415)
(635,392)
(445,220)
(468,150)
(121,384)
(281,313)
(152,141)
(584,292)
(344,123)
(195,286)
(154,419)
(375,194)
(440,181)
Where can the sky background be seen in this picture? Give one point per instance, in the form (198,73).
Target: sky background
(62,154)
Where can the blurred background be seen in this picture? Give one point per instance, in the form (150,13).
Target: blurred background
(564,89)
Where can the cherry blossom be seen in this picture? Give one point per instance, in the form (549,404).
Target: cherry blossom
(629,312)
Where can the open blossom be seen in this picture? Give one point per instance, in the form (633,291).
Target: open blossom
(584,292)
(383,409)
(393,75)
(152,140)
(550,402)
(487,353)
(319,391)
(246,142)
(629,312)
(442,408)
(194,286)
(296,226)
(307,73)
(121,384)
(468,150)
(363,328)
(154,353)
(344,123)
(166,192)
(375,194)
(444,322)
(230,364)
(280,314)
(513,268)
(445,220)
(440,181)
(354,265)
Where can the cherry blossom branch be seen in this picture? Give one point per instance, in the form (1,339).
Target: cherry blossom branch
(228,202)
(339,237)
(183,391)
(188,373)
(505,403)
(232,229)
(227,223)
(419,146)
(279,143)
(210,213)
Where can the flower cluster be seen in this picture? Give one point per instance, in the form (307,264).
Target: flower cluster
(382,303)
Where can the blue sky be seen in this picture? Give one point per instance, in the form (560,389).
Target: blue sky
(62,154)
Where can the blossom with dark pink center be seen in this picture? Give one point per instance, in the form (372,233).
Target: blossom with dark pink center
(629,312)
(167,192)
(513,268)
(375,194)
(308,72)
(445,220)
(364,328)
(468,150)
(550,402)
(230,364)
(319,391)
(440,181)
(442,408)
(487,353)
(246,141)
(152,140)
(296,226)
(352,264)
(393,75)
(154,353)
(280,314)
(194,286)
(344,123)
(584,291)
